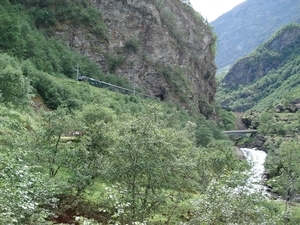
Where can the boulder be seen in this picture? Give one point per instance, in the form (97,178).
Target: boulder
(239,153)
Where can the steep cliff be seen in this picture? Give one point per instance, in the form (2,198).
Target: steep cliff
(162,47)
(266,77)
(264,59)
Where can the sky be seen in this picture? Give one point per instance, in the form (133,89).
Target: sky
(212,9)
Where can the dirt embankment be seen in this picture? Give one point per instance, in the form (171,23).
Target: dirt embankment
(38,104)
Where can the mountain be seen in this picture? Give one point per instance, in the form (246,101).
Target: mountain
(250,24)
(267,76)
(165,49)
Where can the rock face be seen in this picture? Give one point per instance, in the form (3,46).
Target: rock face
(239,153)
(256,66)
(243,72)
(173,53)
(293,107)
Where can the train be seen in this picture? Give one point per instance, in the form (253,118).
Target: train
(111,87)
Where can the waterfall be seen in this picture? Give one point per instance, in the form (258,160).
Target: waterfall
(257,159)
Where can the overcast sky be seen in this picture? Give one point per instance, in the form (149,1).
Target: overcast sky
(212,9)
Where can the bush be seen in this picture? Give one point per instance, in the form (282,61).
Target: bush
(14,86)
(132,45)
(114,62)
(45,18)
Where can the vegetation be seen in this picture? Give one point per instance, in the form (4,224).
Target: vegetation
(44,58)
(47,14)
(129,166)
(133,160)
(90,156)
(15,88)
(281,82)
(51,56)
(271,103)
(115,61)
(174,76)
(169,20)
(255,21)
(280,131)
(132,45)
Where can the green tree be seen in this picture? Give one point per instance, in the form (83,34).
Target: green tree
(10,38)
(227,119)
(266,122)
(223,204)
(14,87)
(45,18)
(76,159)
(26,194)
(203,133)
(214,161)
(151,163)
(49,149)
(90,159)
(287,183)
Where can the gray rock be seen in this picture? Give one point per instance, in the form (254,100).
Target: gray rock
(190,52)
(240,154)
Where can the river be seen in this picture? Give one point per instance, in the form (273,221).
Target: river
(257,159)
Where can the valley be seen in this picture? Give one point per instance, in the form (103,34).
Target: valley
(111,112)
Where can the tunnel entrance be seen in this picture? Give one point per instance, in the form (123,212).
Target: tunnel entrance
(160,96)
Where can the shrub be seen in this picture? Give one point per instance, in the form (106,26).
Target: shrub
(14,86)
(132,45)
(114,62)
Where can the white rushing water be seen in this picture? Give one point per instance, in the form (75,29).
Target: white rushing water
(257,159)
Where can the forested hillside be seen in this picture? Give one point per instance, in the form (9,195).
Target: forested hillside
(250,24)
(266,77)
(44,60)
(263,85)
(71,153)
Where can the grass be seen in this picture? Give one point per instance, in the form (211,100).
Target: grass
(293,207)
(94,193)
(12,121)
